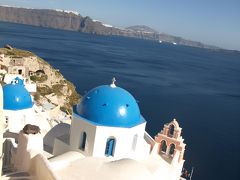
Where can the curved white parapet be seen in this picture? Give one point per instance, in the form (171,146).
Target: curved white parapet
(28,147)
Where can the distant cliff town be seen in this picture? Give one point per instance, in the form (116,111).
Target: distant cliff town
(69,20)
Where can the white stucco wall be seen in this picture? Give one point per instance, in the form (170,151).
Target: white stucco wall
(60,147)
(31,87)
(78,126)
(18,119)
(97,137)
(41,170)
(28,147)
(124,141)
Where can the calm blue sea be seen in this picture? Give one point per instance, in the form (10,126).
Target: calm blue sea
(199,87)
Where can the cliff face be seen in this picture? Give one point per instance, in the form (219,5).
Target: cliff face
(51,85)
(68,20)
(41,17)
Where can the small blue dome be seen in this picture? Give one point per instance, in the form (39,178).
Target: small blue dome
(110,106)
(16,97)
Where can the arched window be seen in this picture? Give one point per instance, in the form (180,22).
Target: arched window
(83,141)
(171,130)
(134,143)
(110,146)
(163,146)
(172,148)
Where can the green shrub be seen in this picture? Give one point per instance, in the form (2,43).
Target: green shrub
(41,78)
(37,96)
(56,88)
(74,98)
(44,90)
(67,110)
(33,78)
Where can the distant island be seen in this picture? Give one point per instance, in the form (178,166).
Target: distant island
(70,20)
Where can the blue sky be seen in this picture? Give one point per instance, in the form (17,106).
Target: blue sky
(215,22)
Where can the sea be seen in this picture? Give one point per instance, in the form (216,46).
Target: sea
(198,87)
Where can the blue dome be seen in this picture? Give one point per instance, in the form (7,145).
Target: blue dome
(16,97)
(110,106)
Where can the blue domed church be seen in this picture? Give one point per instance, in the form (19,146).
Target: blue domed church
(105,140)
(107,123)
(17,106)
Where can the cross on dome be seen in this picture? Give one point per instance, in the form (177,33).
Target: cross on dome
(113,85)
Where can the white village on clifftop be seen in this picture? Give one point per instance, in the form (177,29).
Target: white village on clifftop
(103,138)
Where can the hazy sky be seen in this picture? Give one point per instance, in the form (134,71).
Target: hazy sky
(215,22)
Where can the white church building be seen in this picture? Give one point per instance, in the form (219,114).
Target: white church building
(106,123)
(105,140)
(17,106)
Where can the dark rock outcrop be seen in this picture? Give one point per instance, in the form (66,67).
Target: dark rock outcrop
(31,129)
(7,46)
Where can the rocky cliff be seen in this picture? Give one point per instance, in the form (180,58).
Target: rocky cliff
(41,17)
(51,85)
(69,20)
